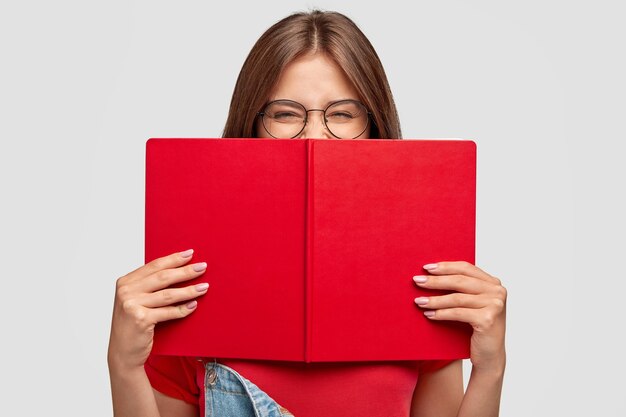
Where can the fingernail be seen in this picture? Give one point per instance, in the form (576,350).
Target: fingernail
(420,279)
(187,253)
(192,304)
(429,314)
(199,267)
(421,301)
(430,267)
(202,287)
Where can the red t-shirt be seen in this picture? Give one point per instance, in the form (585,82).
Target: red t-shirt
(306,390)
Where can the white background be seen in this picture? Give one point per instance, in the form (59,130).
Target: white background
(538,84)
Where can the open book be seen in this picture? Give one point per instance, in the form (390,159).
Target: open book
(311,244)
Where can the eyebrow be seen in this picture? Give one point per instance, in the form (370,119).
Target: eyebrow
(328,103)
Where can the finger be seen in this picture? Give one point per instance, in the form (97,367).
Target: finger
(453,300)
(459,268)
(481,319)
(459,283)
(166,262)
(158,315)
(171,296)
(166,277)
(465,315)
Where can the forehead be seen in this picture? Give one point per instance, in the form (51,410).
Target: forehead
(313,80)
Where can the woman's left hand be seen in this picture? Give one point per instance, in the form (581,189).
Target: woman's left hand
(477,298)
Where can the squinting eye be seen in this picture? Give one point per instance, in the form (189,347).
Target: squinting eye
(285,116)
(340,115)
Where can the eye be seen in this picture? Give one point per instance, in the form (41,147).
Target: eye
(285,112)
(340,115)
(346,111)
(285,115)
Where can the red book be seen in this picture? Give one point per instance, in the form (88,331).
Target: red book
(311,244)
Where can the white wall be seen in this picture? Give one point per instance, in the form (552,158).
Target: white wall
(538,84)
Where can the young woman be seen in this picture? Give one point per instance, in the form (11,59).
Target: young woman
(311,75)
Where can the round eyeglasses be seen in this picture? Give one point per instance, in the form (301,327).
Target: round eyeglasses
(344,119)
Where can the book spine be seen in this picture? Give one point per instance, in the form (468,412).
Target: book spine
(308,251)
(474,151)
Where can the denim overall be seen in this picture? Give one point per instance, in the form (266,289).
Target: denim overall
(228,394)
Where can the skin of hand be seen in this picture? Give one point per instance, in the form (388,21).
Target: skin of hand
(476,298)
(143,299)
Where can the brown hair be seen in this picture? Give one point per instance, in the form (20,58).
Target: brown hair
(298,34)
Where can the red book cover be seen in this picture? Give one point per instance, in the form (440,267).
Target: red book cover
(311,244)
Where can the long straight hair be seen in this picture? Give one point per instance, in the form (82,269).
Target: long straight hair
(330,33)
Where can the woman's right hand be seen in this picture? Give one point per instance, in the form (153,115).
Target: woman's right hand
(143,299)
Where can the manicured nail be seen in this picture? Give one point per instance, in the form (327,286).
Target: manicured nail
(430,267)
(421,301)
(429,314)
(420,279)
(187,253)
(202,287)
(199,267)
(192,304)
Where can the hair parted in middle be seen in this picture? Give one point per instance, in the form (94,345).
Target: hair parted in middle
(330,33)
